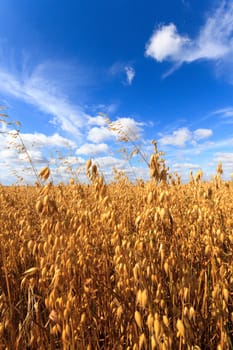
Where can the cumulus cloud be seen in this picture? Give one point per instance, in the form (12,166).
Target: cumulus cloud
(99,120)
(177,138)
(120,127)
(181,136)
(166,43)
(91,149)
(98,135)
(214,40)
(129,126)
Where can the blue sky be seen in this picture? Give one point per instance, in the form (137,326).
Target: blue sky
(162,69)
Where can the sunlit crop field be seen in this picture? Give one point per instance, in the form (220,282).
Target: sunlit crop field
(117,266)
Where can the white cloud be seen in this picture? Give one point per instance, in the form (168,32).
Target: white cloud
(15,161)
(69,160)
(224,112)
(126,126)
(103,108)
(7,154)
(227,160)
(208,146)
(166,43)
(124,70)
(130,74)
(40,140)
(38,91)
(110,162)
(99,120)
(91,149)
(129,126)
(224,157)
(182,136)
(185,166)
(200,134)
(37,145)
(214,41)
(37,157)
(98,135)
(134,173)
(178,138)
(12,160)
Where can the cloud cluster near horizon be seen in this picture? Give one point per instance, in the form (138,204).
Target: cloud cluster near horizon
(77,131)
(185,149)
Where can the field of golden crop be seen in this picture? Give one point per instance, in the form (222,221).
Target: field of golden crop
(119,266)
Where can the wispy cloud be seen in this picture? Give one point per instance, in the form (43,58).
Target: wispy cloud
(224,112)
(200,134)
(223,115)
(123,70)
(130,74)
(42,93)
(104,108)
(214,41)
